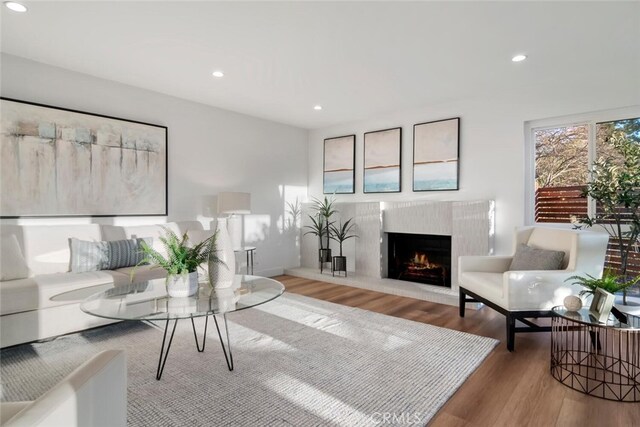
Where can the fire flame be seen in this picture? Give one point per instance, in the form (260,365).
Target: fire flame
(420,261)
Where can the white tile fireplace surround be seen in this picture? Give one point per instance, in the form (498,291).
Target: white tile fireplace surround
(469,223)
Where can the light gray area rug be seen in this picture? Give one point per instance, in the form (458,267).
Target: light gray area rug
(298,362)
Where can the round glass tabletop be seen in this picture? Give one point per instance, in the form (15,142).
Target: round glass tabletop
(583,316)
(149,300)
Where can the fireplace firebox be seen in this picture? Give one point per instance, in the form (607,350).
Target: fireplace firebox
(422,258)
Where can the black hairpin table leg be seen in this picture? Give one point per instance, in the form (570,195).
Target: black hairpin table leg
(204,337)
(228,358)
(165,352)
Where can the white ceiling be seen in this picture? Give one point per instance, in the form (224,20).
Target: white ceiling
(356,59)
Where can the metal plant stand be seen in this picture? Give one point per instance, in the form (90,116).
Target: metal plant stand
(597,359)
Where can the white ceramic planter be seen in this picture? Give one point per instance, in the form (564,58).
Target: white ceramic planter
(182,285)
(221,274)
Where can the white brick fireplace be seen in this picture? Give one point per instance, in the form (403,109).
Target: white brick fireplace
(470,225)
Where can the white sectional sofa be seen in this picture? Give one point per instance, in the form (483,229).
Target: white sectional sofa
(47,303)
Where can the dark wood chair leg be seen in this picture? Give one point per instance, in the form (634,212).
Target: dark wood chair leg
(462,302)
(511,332)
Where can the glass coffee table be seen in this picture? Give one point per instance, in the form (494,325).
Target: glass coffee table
(149,301)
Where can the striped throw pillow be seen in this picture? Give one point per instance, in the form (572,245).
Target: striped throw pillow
(105,255)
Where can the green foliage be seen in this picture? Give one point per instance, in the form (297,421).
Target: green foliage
(324,210)
(610,282)
(342,232)
(181,258)
(319,227)
(324,207)
(615,186)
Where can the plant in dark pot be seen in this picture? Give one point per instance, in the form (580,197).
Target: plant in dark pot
(340,234)
(319,228)
(615,187)
(321,222)
(180,260)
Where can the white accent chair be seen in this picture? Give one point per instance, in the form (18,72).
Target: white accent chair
(95,394)
(530,294)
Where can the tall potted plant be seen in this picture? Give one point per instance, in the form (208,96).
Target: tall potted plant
(615,186)
(181,261)
(340,234)
(321,226)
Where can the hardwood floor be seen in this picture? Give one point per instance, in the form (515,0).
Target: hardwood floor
(509,389)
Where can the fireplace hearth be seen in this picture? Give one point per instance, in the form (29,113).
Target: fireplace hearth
(421,258)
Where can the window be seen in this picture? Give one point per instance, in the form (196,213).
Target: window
(562,170)
(562,152)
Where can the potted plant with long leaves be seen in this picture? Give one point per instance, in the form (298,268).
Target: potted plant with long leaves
(341,233)
(320,229)
(181,261)
(324,209)
(615,187)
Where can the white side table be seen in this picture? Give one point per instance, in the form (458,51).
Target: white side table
(250,251)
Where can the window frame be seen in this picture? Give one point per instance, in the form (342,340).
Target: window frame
(589,119)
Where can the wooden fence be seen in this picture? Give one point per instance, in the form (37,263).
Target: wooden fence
(560,204)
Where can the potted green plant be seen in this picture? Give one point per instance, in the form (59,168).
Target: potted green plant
(614,185)
(324,210)
(319,228)
(340,234)
(609,282)
(181,261)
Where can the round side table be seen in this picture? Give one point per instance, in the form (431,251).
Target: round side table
(598,359)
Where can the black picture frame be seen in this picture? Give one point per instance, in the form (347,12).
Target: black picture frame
(435,185)
(133,145)
(379,163)
(338,158)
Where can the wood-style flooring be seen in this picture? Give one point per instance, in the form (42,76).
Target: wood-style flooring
(508,389)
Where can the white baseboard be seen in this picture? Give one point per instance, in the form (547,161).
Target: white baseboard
(269,272)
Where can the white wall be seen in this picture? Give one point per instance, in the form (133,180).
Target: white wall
(491,143)
(210,150)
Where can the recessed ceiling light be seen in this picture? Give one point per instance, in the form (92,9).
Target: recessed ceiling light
(218,74)
(317,107)
(519,58)
(16,7)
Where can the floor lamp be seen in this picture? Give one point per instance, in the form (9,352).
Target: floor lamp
(234,204)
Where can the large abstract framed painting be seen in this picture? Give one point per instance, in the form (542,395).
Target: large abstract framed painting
(339,165)
(382,153)
(435,155)
(60,162)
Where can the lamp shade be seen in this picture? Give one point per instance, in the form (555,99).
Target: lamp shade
(234,203)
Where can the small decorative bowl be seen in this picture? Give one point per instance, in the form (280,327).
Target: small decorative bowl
(573,303)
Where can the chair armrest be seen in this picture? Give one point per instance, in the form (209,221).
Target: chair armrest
(484,264)
(95,394)
(537,289)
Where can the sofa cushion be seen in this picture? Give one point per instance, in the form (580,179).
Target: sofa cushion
(46,290)
(199,236)
(12,263)
(528,258)
(554,239)
(105,255)
(46,247)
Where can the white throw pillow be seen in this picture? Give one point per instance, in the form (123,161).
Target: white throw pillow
(13,265)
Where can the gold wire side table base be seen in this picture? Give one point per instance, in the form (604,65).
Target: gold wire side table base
(600,360)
